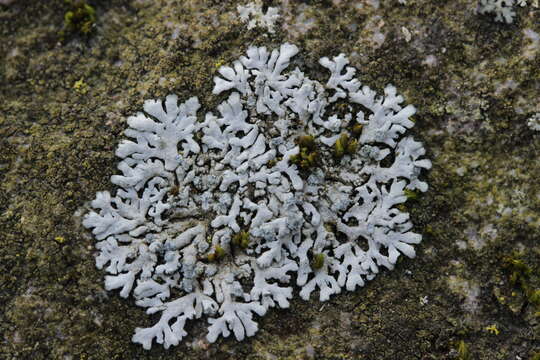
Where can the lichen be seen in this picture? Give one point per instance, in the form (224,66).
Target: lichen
(503,9)
(534,122)
(252,14)
(226,195)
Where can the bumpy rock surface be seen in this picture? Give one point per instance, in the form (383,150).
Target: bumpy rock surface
(66,95)
(229,219)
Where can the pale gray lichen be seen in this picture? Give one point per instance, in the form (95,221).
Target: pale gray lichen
(253,15)
(503,9)
(532,39)
(212,217)
(534,122)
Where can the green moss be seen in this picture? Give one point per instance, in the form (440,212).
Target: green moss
(218,254)
(80,86)
(522,277)
(356,130)
(241,239)
(271,163)
(308,155)
(318,261)
(60,239)
(493,329)
(463,351)
(411,194)
(519,271)
(79,19)
(534,297)
(219,251)
(345,145)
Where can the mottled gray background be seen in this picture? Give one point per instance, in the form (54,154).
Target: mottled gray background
(64,98)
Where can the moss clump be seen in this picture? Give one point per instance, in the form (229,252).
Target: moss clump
(519,271)
(80,86)
(307,158)
(534,297)
(345,145)
(241,239)
(492,329)
(521,277)
(411,194)
(330,227)
(463,350)
(356,130)
(318,261)
(218,254)
(60,239)
(79,19)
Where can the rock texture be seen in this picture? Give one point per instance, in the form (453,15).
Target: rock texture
(65,96)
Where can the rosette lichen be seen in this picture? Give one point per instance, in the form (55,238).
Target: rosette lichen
(291,181)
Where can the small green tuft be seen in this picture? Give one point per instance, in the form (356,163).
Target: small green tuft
(411,194)
(525,279)
(522,277)
(345,145)
(80,86)
(241,239)
(271,163)
(534,297)
(356,130)
(306,141)
(463,350)
(219,251)
(318,261)
(492,329)
(519,270)
(352,146)
(60,239)
(330,227)
(79,19)
(340,145)
(217,255)
(307,156)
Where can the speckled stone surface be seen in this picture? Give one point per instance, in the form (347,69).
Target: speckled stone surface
(64,99)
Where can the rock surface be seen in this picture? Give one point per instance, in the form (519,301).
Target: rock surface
(66,92)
